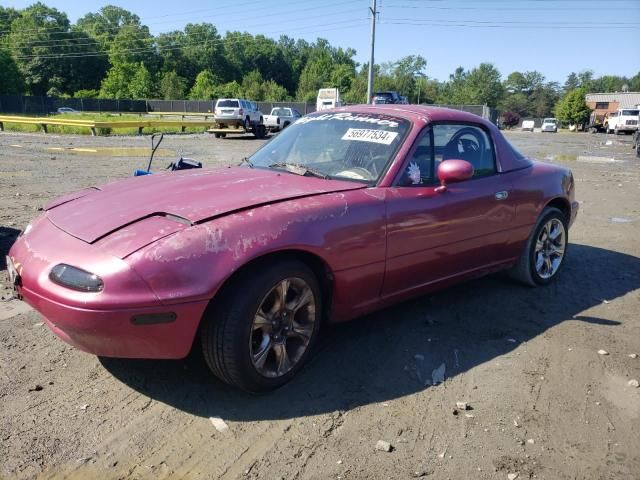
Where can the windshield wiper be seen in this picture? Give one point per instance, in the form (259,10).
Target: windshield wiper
(300,170)
(247,161)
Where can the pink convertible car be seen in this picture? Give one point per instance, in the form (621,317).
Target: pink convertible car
(343,213)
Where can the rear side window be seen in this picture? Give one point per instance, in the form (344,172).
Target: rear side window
(464,142)
(633,113)
(228,104)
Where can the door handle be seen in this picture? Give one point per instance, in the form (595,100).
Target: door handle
(502,195)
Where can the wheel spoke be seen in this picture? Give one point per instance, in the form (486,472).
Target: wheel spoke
(261,355)
(544,234)
(557,250)
(262,322)
(547,264)
(555,232)
(281,294)
(304,298)
(282,358)
(539,261)
(303,332)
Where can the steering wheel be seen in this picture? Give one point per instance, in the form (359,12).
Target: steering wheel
(357,173)
(469,145)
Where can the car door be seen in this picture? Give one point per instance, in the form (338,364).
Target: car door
(434,235)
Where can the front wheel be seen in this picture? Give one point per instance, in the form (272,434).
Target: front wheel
(545,250)
(261,332)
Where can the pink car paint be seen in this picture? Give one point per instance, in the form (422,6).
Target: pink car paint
(166,243)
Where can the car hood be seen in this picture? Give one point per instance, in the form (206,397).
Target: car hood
(138,210)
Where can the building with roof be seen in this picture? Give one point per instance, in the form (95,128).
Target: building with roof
(610,102)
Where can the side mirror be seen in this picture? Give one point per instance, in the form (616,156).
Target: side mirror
(453,171)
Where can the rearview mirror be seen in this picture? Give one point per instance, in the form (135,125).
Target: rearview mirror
(453,171)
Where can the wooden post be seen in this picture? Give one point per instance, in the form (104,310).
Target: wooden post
(140,130)
(44,127)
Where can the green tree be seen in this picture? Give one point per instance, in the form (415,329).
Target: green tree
(83,93)
(11,81)
(634,83)
(106,24)
(204,87)
(572,108)
(50,54)
(141,83)
(480,86)
(116,83)
(405,73)
(172,86)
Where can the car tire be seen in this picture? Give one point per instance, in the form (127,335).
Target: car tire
(286,124)
(237,331)
(217,135)
(528,269)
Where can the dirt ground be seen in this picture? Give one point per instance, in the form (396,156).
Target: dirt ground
(543,403)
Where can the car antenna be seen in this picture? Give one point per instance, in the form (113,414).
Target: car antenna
(154,147)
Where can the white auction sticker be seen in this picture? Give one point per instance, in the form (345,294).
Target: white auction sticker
(369,135)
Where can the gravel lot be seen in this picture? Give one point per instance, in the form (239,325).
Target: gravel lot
(543,403)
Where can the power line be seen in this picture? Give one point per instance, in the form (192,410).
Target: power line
(115,29)
(345,24)
(72,43)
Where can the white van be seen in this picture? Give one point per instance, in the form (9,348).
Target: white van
(328,98)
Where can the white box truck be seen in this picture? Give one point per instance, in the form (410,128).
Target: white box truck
(328,98)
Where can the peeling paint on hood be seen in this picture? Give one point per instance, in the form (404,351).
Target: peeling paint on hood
(194,195)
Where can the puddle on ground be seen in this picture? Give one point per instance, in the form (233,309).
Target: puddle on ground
(115,151)
(620,220)
(580,158)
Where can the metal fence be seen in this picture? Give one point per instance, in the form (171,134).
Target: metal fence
(32,105)
(40,105)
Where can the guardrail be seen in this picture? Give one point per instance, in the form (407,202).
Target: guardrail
(44,122)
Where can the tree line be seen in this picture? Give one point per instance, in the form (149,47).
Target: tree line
(111,54)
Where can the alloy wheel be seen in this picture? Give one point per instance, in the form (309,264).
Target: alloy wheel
(550,248)
(282,327)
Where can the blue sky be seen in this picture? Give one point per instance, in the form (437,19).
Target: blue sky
(554,37)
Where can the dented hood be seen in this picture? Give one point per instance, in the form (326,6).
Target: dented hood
(178,199)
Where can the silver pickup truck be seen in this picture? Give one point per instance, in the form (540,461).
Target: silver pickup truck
(280,118)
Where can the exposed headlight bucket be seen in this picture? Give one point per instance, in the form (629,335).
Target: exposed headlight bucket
(75,278)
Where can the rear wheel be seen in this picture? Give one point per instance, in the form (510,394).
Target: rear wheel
(545,250)
(260,333)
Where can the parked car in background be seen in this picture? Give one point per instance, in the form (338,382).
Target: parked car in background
(550,125)
(384,98)
(622,120)
(67,110)
(237,115)
(343,213)
(528,125)
(237,112)
(280,118)
(328,98)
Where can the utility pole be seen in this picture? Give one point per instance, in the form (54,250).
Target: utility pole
(373,42)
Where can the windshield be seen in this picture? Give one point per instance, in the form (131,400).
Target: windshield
(228,103)
(549,120)
(632,113)
(349,146)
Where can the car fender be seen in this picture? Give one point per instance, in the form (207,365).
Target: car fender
(346,230)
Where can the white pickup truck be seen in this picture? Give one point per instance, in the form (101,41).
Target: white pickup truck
(280,118)
(622,120)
